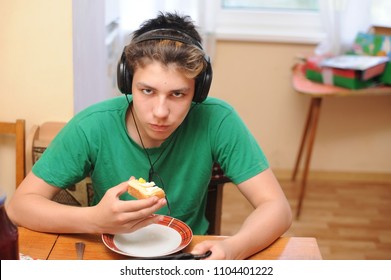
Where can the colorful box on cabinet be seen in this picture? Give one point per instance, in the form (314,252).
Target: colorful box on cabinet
(374,45)
(343,71)
(365,44)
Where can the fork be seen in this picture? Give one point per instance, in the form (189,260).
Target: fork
(179,256)
(80,250)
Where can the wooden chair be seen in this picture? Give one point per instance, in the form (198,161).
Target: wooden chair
(380,30)
(18,130)
(40,137)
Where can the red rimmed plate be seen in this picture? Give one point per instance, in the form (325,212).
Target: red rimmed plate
(164,238)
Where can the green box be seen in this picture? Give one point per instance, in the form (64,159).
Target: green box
(385,78)
(340,81)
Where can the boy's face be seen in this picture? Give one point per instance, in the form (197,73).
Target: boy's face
(162,97)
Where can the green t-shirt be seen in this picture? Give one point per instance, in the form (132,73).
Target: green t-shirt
(96,143)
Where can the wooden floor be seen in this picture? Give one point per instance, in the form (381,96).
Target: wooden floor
(350,220)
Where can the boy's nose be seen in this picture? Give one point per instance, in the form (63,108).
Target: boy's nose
(160,108)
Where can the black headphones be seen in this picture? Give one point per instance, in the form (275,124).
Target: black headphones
(203,81)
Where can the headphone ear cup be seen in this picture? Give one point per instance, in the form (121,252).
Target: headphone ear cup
(203,83)
(124,76)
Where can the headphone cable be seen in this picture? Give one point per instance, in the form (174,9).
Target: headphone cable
(151,169)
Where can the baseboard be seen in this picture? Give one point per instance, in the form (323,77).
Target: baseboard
(283,174)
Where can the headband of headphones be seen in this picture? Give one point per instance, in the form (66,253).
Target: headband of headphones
(156,34)
(203,81)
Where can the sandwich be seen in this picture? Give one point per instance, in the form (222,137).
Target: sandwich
(139,188)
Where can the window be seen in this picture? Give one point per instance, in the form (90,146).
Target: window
(284,20)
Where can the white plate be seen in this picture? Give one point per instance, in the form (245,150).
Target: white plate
(164,238)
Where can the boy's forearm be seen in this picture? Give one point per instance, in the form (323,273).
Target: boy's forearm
(260,229)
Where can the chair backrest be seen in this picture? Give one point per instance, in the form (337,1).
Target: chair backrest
(40,137)
(18,130)
(214,205)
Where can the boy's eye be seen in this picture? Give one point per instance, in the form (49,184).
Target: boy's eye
(147,91)
(177,94)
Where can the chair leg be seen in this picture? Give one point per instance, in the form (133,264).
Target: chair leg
(311,126)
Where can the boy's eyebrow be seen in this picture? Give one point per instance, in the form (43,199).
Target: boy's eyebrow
(184,89)
(144,85)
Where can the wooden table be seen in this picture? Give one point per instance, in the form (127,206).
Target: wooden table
(317,92)
(62,247)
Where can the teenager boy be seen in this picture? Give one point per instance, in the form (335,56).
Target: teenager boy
(165,129)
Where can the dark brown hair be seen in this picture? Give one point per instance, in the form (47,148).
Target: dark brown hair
(185,53)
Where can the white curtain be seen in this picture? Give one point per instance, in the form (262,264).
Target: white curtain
(342,20)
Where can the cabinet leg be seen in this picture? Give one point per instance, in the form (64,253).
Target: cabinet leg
(303,141)
(309,132)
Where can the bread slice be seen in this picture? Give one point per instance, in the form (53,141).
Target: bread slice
(141,189)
